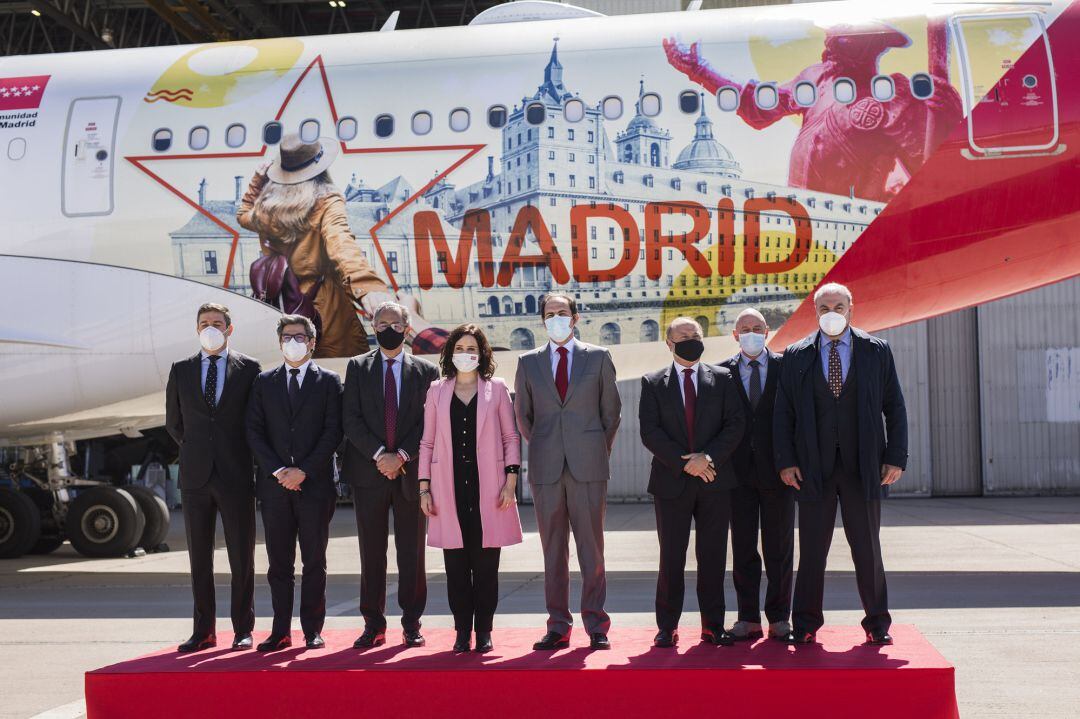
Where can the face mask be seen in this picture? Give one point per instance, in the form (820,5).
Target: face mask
(294,351)
(389,338)
(832,323)
(558,328)
(689,350)
(212,339)
(466,362)
(752,343)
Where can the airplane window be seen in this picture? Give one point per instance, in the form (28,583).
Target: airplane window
(198,138)
(882,88)
(805,94)
(235,135)
(728,99)
(844,91)
(688,101)
(272,133)
(922,86)
(612,108)
(459,120)
(766,97)
(535,113)
(16,149)
(162,140)
(650,104)
(574,111)
(384,126)
(309,130)
(496,116)
(421,123)
(347,128)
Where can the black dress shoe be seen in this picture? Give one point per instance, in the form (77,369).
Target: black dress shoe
(483,643)
(413,638)
(799,636)
(315,641)
(242,641)
(553,640)
(275,642)
(666,638)
(717,636)
(879,638)
(463,642)
(197,644)
(599,640)
(370,638)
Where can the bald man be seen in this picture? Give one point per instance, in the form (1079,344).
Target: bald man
(839,438)
(761,500)
(691,419)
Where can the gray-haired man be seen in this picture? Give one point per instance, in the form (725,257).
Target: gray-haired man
(383,417)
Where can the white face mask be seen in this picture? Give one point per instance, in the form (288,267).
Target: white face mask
(465,361)
(212,339)
(558,328)
(751,343)
(294,350)
(832,323)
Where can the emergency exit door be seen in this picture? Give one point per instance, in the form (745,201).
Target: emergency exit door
(89,162)
(1010,95)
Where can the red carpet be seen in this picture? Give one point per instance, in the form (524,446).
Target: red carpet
(838,678)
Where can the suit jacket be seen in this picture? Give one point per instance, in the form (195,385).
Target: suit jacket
(719,420)
(211,439)
(753,458)
(497,445)
(363,406)
(577,432)
(304,437)
(878,393)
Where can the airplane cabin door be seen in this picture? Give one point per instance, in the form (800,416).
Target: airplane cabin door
(1010,96)
(89,162)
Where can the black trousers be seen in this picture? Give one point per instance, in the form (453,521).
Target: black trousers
(862,525)
(236,504)
(289,516)
(710,511)
(773,510)
(373,507)
(472,581)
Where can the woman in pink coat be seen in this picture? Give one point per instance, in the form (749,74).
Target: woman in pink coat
(469,464)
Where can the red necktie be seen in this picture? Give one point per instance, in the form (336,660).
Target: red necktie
(562,380)
(689,402)
(390,412)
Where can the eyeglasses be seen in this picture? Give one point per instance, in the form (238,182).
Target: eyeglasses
(303,338)
(397,326)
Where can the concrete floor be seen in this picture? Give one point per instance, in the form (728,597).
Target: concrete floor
(993,583)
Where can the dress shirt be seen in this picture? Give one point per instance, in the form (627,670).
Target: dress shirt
(745,369)
(221,365)
(843,348)
(396,369)
(554,349)
(682,377)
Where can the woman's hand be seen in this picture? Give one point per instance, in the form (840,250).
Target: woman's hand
(427,505)
(508,495)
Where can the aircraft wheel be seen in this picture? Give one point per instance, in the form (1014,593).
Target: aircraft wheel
(20,523)
(104,522)
(46,544)
(157,516)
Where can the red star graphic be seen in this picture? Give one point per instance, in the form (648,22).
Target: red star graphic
(140,161)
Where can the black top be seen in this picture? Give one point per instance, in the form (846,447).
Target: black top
(466,476)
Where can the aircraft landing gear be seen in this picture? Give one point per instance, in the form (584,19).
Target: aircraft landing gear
(48,503)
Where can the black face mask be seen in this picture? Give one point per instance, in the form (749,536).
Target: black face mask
(689,350)
(389,338)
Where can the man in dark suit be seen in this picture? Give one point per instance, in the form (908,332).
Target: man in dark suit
(383,416)
(761,499)
(691,419)
(832,446)
(205,404)
(293,427)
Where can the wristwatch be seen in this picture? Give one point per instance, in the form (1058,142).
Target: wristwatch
(709,459)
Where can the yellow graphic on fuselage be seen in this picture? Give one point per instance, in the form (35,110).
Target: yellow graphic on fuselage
(223,73)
